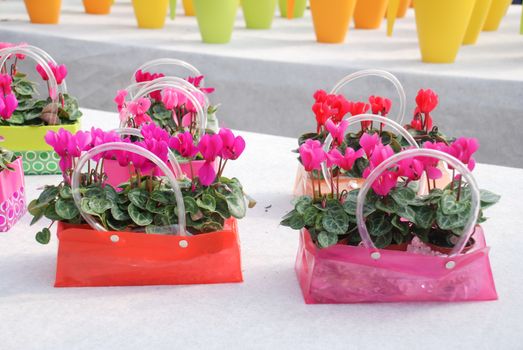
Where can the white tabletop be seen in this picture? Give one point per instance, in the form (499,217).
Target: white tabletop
(267,310)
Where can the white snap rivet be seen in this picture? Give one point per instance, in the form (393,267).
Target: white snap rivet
(375,255)
(115,238)
(450,265)
(183,243)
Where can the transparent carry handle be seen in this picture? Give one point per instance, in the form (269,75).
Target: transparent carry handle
(168,80)
(174,83)
(172,158)
(367,118)
(48,58)
(377,73)
(450,160)
(126,147)
(29,51)
(147,66)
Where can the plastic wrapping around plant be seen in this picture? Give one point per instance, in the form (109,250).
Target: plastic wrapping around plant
(180,86)
(12,195)
(147,66)
(349,274)
(377,73)
(27,141)
(89,256)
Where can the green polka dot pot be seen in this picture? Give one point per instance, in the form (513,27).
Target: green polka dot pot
(40,162)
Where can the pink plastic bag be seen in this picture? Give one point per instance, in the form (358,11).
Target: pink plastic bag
(12,195)
(349,274)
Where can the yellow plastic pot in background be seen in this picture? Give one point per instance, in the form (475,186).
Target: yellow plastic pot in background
(43,11)
(441,28)
(150,14)
(497,11)
(331,19)
(369,13)
(477,20)
(188,7)
(24,138)
(404,6)
(98,7)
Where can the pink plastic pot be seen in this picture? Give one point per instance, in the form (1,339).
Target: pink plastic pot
(117,174)
(12,195)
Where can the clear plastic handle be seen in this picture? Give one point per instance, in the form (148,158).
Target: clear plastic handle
(364,118)
(126,147)
(174,83)
(6,53)
(168,62)
(168,80)
(377,73)
(172,158)
(450,160)
(48,58)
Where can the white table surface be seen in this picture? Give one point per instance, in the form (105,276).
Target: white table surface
(267,310)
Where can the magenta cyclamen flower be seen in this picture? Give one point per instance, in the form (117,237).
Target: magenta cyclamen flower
(197,81)
(169,98)
(59,141)
(59,72)
(120,99)
(463,149)
(380,154)
(232,146)
(385,183)
(337,131)
(153,131)
(431,164)
(411,168)
(184,145)
(346,161)
(8,101)
(210,147)
(368,142)
(78,143)
(141,106)
(312,155)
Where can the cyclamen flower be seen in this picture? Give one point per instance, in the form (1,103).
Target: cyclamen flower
(380,105)
(312,155)
(358,108)
(141,77)
(184,144)
(233,147)
(411,168)
(8,101)
(329,106)
(210,147)
(169,98)
(153,131)
(59,72)
(380,154)
(369,142)
(463,149)
(5,45)
(431,164)
(78,143)
(196,81)
(120,99)
(337,131)
(58,141)
(344,161)
(385,183)
(426,100)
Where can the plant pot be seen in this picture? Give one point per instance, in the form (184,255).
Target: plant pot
(331,19)
(441,28)
(402,10)
(216,19)
(303,184)
(43,11)
(497,11)
(188,7)
(343,274)
(89,258)
(117,174)
(98,7)
(28,142)
(370,13)
(150,14)
(477,20)
(259,13)
(299,8)
(12,195)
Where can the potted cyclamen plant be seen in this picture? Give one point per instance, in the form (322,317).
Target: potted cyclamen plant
(365,245)
(24,117)
(151,229)
(12,188)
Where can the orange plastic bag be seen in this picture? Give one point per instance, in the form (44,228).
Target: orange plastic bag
(89,258)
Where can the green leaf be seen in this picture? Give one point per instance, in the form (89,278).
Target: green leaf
(138,197)
(116,224)
(207,202)
(139,217)
(65,192)
(100,205)
(425,216)
(378,224)
(309,215)
(403,195)
(383,241)
(303,203)
(406,212)
(327,239)
(155,207)
(452,221)
(163,196)
(449,205)
(44,236)
(336,221)
(119,214)
(66,209)
(387,205)
(48,194)
(191,206)
(50,213)
(488,198)
(403,227)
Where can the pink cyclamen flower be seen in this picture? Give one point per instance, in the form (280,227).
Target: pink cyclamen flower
(207,174)
(463,149)
(184,144)
(233,147)
(380,154)
(344,161)
(120,99)
(385,183)
(10,103)
(142,119)
(210,146)
(141,106)
(411,168)
(59,72)
(197,81)
(153,131)
(431,164)
(78,142)
(169,98)
(337,131)
(312,155)
(58,140)
(369,142)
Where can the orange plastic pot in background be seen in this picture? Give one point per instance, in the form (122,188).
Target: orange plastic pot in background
(98,7)
(331,19)
(188,7)
(369,13)
(404,6)
(89,258)
(43,11)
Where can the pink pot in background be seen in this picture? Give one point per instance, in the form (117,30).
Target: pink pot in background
(12,195)
(117,174)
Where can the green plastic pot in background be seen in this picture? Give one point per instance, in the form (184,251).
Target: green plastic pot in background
(258,13)
(216,19)
(299,8)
